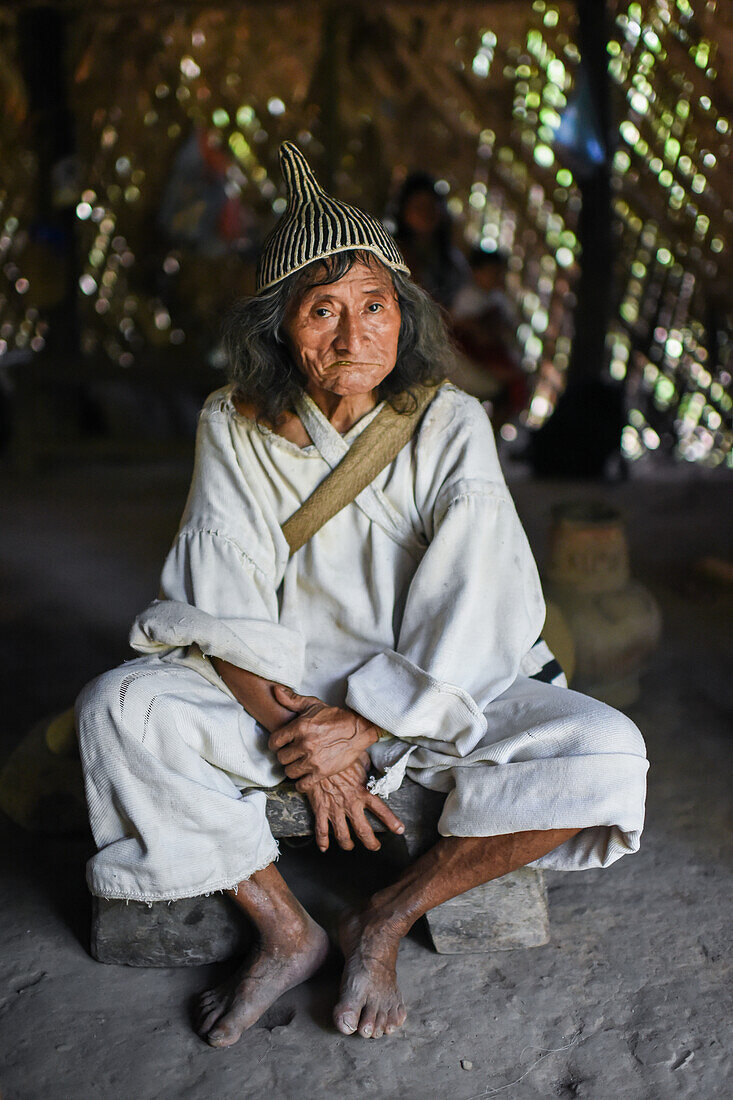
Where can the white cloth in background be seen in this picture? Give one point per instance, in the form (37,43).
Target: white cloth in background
(417,605)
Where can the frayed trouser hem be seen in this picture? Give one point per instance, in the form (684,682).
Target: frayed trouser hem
(191,892)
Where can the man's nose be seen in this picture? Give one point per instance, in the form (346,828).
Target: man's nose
(348,336)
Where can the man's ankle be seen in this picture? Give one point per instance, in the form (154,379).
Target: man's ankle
(383,917)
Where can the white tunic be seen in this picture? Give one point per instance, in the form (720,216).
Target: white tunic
(417,605)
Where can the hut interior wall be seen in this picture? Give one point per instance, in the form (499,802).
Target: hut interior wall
(477,94)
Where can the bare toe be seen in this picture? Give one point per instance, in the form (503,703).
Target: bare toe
(346,1019)
(380,1024)
(367,1021)
(207,1021)
(224,1035)
(207,1005)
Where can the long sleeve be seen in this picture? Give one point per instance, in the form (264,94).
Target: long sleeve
(219,581)
(474,606)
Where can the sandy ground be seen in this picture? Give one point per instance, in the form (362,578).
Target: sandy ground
(631,998)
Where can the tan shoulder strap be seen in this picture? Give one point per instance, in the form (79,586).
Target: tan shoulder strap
(377,446)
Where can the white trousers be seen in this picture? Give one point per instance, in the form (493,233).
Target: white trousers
(175,771)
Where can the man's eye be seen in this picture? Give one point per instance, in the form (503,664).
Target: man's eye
(321,311)
(375,307)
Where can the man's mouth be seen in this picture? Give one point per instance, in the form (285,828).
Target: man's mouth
(353,363)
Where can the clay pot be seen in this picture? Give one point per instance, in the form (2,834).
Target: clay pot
(615,621)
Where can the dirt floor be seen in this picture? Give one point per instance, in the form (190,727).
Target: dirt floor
(632,998)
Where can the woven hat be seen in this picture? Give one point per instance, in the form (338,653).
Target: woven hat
(315,225)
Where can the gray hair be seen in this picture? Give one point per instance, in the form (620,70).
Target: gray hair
(260,360)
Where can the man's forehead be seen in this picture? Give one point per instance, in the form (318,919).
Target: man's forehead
(361,277)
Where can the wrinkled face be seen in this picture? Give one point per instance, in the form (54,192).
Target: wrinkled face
(344,335)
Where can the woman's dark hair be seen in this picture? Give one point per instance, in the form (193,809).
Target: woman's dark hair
(422,183)
(479,258)
(260,360)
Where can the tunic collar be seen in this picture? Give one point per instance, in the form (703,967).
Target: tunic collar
(332,446)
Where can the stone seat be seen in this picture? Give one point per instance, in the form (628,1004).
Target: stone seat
(507,913)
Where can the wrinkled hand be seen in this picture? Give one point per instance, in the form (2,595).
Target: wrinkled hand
(341,801)
(321,740)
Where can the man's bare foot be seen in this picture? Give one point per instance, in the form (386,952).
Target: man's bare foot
(370,1001)
(276,965)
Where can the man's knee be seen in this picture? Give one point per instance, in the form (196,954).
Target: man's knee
(586,726)
(98,696)
(100,704)
(620,734)
(613,732)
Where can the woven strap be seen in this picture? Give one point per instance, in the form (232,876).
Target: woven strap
(377,446)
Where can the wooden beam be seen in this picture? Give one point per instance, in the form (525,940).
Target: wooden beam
(585,428)
(594,224)
(126,6)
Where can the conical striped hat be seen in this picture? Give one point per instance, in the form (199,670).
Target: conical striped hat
(315,225)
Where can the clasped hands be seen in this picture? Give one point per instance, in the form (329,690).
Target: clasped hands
(324,749)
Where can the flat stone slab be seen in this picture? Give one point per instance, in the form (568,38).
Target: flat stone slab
(189,932)
(508,913)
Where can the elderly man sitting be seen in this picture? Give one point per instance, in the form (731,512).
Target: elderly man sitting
(400,636)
